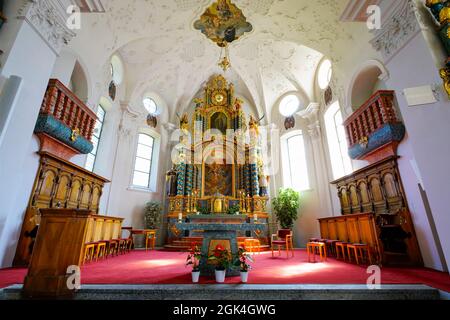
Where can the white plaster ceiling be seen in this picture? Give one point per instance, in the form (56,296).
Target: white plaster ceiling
(163,52)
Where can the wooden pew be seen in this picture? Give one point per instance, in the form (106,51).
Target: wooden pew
(355,228)
(59,244)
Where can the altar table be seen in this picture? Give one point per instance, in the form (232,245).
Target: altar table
(216,231)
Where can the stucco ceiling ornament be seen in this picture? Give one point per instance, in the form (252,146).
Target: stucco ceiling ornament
(223,22)
(47,19)
(397,31)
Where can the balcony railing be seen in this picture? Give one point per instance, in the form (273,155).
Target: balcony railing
(66,107)
(375,113)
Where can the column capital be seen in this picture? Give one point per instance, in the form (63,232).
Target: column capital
(49,20)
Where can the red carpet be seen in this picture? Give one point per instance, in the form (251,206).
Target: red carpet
(161,267)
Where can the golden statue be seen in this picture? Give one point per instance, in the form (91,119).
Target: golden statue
(184,122)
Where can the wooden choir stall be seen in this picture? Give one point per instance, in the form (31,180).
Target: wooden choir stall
(373,203)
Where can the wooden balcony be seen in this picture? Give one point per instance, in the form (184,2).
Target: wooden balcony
(66,107)
(374,127)
(65,124)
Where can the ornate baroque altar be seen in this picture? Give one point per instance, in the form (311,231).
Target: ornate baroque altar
(219,169)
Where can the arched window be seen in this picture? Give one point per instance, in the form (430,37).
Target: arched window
(337,142)
(91,157)
(295,168)
(324,74)
(143,161)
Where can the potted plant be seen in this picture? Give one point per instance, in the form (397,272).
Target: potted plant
(242,261)
(152,215)
(285,207)
(233,210)
(221,258)
(193,259)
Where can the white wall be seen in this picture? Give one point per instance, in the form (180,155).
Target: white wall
(428,130)
(18,160)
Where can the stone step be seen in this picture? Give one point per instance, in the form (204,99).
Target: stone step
(244,292)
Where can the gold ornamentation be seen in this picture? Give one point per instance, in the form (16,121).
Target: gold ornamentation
(175,230)
(75,134)
(364,142)
(445,75)
(444,15)
(225,63)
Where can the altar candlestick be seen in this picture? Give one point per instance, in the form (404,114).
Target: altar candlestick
(180,217)
(255,217)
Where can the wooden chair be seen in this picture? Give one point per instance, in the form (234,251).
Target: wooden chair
(112,247)
(340,249)
(150,238)
(321,248)
(331,246)
(89,249)
(100,251)
(126,244)
(283,238)
(252,246)
(358,252)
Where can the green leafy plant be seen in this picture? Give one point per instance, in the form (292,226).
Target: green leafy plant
(193,258)
(285,207)
(203,211)
(233,209)
(243,259)
(221,257)
(152,214)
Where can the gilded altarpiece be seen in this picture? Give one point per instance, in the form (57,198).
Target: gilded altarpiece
(220,171)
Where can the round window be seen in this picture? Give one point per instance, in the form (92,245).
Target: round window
(289,105)
(150,105)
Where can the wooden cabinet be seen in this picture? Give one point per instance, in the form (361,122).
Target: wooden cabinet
(58,184)
(60,244)
(378,189)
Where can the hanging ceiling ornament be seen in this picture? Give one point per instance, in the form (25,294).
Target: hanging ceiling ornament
(224,61)
(223,22)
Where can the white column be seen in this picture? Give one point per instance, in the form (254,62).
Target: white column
(31,40)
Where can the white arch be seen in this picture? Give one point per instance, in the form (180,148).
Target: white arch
(366,65)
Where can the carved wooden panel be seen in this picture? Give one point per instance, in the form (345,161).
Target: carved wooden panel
(341,230)
(58,184)
(378,188)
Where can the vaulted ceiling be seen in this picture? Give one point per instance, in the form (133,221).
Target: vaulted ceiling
(163,52)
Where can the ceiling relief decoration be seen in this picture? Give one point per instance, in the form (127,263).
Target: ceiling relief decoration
(223,22)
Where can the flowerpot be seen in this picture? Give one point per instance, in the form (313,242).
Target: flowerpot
(195,276)
(220,276)
(244,276)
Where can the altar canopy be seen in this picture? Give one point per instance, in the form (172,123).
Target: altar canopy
(220,167)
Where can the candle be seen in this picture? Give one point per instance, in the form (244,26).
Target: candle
(255,217)
(180,216)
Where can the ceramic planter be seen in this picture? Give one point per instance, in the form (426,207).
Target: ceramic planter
(244,276)
(195,276)
(220,276)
